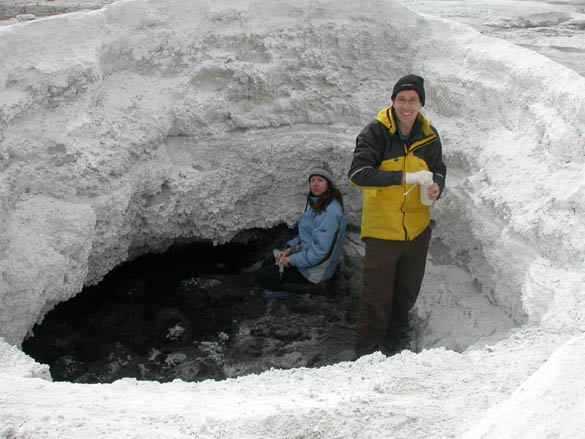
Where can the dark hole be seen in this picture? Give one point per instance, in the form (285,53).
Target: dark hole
(192,313)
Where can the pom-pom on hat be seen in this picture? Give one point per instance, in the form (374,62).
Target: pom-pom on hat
(410,82)
(323,170)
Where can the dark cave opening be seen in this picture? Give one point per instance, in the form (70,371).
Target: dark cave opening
(193,313)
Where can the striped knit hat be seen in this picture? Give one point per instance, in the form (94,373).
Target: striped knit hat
(323,170)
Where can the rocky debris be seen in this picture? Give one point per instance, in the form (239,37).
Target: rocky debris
(206,323)
(216,327)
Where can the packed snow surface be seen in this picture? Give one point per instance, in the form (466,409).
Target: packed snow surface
(125,129)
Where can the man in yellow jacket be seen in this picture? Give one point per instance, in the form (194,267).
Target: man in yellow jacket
(397,156)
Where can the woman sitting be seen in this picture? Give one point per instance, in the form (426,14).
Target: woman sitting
(312,256)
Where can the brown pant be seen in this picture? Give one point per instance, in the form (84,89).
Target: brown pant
(393,273)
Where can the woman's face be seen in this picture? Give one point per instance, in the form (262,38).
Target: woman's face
(318,185)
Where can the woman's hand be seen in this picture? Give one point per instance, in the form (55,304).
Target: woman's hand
(285,261)
(284,253)
(281,256)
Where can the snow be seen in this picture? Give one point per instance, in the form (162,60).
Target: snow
(127,128)
(518,415)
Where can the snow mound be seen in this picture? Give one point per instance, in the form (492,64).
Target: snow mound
(532,409)
(126,129)
(14,363)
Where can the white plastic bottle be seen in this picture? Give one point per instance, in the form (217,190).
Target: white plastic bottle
(424,194)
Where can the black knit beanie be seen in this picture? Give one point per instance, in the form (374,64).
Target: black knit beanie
(410,82)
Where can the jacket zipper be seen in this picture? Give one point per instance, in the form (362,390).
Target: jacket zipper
(404,198)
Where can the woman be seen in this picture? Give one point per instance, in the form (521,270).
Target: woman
(312,256)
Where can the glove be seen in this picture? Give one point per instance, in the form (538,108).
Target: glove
(424,178)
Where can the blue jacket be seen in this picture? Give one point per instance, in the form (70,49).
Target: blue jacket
(316,250)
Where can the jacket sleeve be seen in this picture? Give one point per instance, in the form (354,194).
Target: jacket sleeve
(436,165)
(323,236)
(295,244)
(367,157)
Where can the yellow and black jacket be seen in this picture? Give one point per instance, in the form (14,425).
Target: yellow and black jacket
(391,210)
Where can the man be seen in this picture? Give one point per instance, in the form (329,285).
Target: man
(396,156)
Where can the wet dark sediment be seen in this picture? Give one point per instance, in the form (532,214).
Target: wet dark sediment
(193,313)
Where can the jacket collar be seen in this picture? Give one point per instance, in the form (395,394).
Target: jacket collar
(387,118)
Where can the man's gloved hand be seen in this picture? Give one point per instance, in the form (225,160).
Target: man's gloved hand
(423,178)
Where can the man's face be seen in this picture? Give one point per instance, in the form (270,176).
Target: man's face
(407,104)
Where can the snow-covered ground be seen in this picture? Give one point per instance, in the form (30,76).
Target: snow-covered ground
(553,28)
(149,121)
